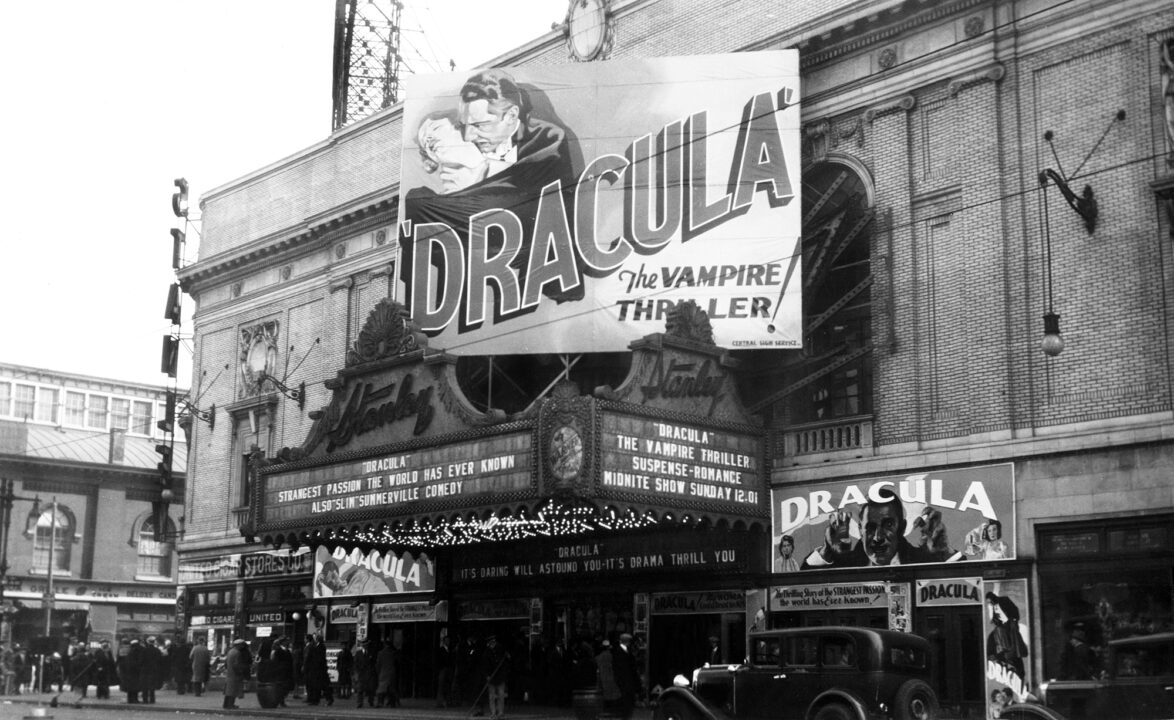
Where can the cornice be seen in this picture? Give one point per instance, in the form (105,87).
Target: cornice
(301,238)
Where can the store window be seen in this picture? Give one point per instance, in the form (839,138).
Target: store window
(53,538)
(1101,581)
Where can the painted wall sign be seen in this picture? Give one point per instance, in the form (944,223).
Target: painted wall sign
(718,601)
(840,596)
(277,563)
(604,193)
(938,516)
(357,573)
(194,572)
(950,591)
(678,463)
(645,554)
(402,483)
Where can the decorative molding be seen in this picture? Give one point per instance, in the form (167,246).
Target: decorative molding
(904,103)
(388,332)
(994,74)
(974,26)
(345,283)
(257,356)
(816,135)
(887,58)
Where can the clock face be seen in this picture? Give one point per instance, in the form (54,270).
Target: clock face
(566,452)
(588,27)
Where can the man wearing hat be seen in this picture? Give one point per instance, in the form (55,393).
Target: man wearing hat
(237,665)
(495,669)
(130,663)
(627,676)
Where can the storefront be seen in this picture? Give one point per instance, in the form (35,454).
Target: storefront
(1102,579)
(90,610)
(925,553)
(549,530)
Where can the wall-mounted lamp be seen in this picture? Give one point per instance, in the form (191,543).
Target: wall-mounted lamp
(297,394)
(1085,205)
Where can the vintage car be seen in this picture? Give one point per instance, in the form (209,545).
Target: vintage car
(1137,684)
(819,673)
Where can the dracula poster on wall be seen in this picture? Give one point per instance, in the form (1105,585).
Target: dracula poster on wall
(565,209)
(926,517)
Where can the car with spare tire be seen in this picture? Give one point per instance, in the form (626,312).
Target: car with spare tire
(817,673)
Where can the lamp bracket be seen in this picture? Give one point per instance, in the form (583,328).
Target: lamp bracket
(1084,204)
(297,394)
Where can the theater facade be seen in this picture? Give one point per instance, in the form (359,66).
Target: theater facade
(594,392)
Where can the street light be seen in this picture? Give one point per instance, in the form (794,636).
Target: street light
(7,498)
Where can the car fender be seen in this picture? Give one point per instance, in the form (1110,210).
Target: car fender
(704,711)
(839,695)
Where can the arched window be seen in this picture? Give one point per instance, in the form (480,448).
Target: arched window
(155,555)
(53,537)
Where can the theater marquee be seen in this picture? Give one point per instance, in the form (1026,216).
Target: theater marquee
(570,217)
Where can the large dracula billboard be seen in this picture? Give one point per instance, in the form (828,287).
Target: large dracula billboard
(567,208)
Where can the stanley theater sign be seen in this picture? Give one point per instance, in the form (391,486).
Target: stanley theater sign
(401,446)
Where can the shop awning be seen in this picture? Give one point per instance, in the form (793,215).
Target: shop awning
(39,604)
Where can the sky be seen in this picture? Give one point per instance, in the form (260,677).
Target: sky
(107,103)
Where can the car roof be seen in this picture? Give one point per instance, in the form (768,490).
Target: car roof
(1155,639)
(873,634)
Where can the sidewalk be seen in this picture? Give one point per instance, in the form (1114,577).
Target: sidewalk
(210,703)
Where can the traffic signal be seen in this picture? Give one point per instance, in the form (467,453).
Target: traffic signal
(159,515)
(178,238)
(169,361)
(172,311)
(179,200)
(167,424)
(165,455)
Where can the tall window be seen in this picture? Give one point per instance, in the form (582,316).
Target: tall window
(46,405)
(252,429)
(5,398)
(155,555)
(75,408)
(53,538)
(140,419)
(120,414)
(99,408)
(26,401)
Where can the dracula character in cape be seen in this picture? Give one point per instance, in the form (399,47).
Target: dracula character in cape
(492,153)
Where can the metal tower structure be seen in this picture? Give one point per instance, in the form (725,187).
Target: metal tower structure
(366,58)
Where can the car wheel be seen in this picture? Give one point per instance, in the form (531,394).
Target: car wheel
(674,709)
(915,700)
(834,711)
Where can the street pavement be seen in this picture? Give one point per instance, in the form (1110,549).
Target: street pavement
(168,703)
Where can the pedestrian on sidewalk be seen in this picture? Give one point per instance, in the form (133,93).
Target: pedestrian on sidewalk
(316,672)
(201,660)
(105,670)
(152,671)
(283,669)
(181,665)
(363,674)
(627,675)
(385,669)
(444,673)
(495,672)
(344,663)
(130,666)
(237,667)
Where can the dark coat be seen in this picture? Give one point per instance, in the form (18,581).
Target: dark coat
(627,674)
(385,663)
(201,660)
(130,668)
(362,668)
